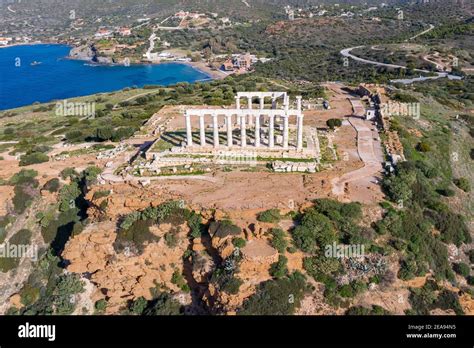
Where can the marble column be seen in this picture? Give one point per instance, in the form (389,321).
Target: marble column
(202,130)
(237,106)
(257,130)
(285,131)
(298,103)
(189,135)
(249,102)
(243,132)
(215,128)
(271,130)
(299,140)
(229,130)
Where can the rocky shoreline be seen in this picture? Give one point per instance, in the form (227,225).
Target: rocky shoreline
(88,53)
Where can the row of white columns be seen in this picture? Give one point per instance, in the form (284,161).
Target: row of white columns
(242,120)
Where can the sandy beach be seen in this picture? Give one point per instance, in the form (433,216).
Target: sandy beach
(202,66)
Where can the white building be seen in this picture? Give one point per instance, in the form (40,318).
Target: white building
(102,33)
(4,41)
(125,31)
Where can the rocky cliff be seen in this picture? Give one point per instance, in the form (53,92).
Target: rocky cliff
(124,276)
(88,52)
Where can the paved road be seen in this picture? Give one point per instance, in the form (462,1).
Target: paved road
(151,39)
(346,52)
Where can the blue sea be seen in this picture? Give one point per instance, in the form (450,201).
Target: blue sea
(59,78)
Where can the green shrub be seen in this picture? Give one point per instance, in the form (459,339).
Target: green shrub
(24,176)
(138,306)
(67,286)
(452,227)
(423,146)
(178,279)
(278,239)
(320,266)
(164,304)
(404,98)
(52,185)
(360,310)
(59,230)
(470,254)
(315,231)
(422,299)
(23,198)
(332,123)
(447,192)
(75,136)
(239,242)
(462,269)
(271,215)
(29,294)
(33,158)
(100,306)
(22,237)
(276,297)
(279,269)
(104,133)
(346,291)
(463,184)
(448,300)
(136,236)
(232,286)
(68,196)
(171,240)
(68,173)
(100,194)
(91,173)
(8,263)
(223,228)
(122,133)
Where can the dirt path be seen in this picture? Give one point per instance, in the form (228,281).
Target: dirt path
(423,32)
(367,153)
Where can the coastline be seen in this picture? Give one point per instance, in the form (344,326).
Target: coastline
(194,72)
(204,68)
(34,44)
(200,66)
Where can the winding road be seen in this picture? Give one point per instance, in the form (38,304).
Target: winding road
(423,32)
(346,52)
